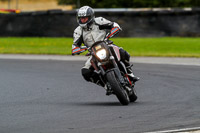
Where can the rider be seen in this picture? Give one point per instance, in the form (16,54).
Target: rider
(91,30)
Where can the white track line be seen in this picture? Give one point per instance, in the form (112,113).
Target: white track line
(179,130)
(166,60)
(149,60)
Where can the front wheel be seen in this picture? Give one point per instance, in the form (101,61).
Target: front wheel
(117,88)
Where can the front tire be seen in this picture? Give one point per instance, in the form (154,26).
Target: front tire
(117,88)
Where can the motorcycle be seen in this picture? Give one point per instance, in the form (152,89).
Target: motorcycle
(113,73)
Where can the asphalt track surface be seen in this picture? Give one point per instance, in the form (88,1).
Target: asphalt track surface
(47,96)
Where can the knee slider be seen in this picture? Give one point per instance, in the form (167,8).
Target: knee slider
(86,73)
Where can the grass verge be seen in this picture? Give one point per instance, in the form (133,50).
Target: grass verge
(161,47)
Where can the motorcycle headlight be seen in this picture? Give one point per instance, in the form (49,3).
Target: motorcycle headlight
(101,54)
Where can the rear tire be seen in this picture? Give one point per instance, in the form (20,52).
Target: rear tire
(117,88)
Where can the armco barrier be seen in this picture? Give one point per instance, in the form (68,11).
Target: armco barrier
(135,23)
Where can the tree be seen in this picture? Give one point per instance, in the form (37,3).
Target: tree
(131,3)
(97,3)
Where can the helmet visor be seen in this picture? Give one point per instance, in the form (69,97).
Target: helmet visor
(83,20)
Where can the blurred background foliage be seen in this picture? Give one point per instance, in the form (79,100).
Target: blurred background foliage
(131,3)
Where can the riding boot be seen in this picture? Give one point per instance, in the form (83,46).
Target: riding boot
(131,75)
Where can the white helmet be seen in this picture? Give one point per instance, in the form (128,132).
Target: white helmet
(83,12)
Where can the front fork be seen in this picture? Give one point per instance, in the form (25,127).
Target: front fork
(115,69)
(117,74)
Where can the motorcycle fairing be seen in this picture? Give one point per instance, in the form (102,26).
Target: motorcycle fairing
(115,49)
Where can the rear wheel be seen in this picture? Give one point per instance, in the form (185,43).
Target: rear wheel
(117,88)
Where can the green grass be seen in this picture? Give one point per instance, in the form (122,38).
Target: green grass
(12,45)
(167,46)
